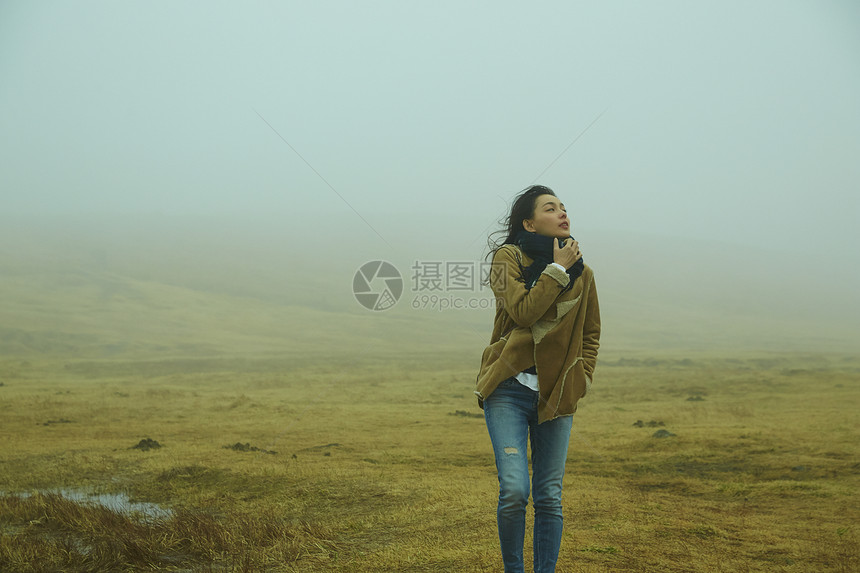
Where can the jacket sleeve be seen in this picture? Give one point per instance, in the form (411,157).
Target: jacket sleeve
(524,306)
(591,331)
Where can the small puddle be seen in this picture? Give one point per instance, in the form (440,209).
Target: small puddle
(118,502)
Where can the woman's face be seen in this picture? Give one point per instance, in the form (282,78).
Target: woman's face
(550,218)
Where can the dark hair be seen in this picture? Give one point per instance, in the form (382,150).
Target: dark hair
(523,208)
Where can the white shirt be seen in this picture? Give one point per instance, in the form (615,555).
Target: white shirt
(528,379)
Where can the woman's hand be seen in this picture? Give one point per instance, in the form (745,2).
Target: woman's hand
(567,255)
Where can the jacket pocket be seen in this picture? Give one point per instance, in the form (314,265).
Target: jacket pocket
(492,353)
(579,380)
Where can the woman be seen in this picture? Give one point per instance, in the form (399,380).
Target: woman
(539,363)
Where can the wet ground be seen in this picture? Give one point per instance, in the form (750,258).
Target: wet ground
(118,502)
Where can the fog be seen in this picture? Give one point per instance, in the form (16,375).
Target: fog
(707,153)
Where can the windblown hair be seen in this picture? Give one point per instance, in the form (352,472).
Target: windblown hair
(523,208)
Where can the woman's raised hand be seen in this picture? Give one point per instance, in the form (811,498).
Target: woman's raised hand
(567,255)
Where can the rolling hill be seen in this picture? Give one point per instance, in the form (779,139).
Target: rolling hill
(129,292)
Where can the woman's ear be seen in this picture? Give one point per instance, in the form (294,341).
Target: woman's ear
(528,225)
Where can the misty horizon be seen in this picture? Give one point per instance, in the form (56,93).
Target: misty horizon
(706,154)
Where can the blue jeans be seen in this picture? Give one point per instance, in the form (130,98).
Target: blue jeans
(511,415)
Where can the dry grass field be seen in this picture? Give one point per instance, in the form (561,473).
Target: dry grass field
(310,465)
(290,430)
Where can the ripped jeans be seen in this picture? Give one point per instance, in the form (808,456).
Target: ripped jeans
(511,416)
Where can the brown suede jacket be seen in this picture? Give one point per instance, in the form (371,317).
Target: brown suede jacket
(558,333)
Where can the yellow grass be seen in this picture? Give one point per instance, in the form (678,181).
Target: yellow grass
(379,467)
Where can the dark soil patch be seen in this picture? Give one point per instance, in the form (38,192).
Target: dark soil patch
(246,447)
(60,421)
(651,424)
(466,414)
(146,444)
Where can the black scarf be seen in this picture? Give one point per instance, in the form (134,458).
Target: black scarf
(539,248)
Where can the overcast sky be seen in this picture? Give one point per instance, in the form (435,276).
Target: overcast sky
(395,121)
